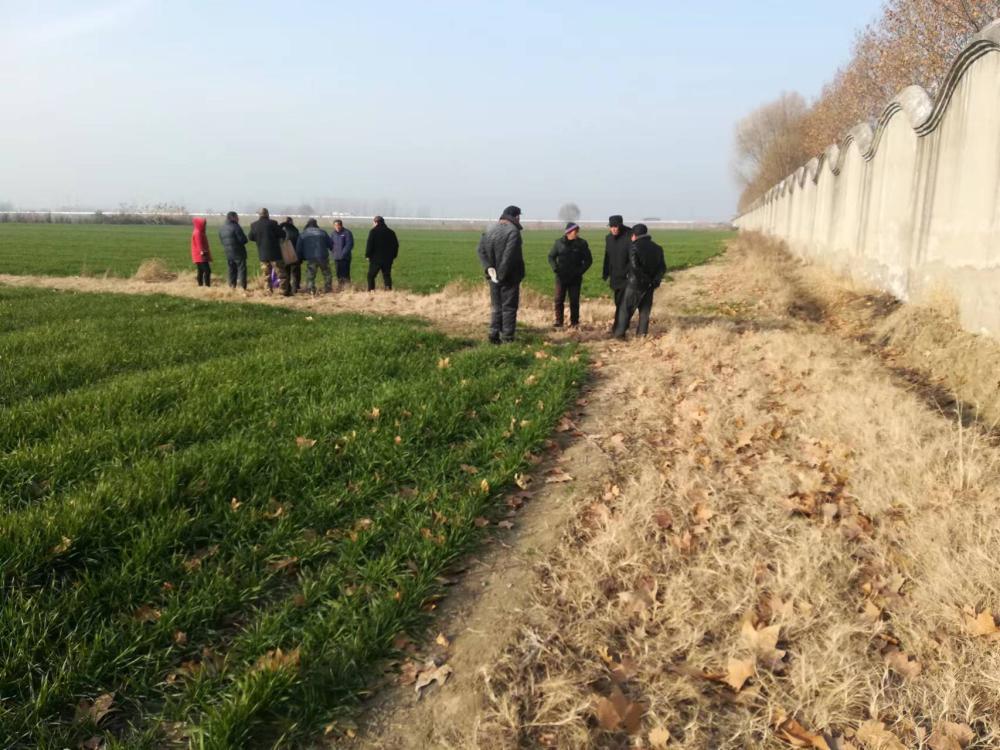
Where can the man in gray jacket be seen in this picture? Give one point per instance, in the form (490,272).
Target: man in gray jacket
(234,242)
(500,252)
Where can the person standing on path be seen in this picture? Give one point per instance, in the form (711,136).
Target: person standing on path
(570,258)
(201,255)
(501,255)
(343,245)
(616,247)
(646,268)
(234,244)
(313,248)
(294,266)
(382,249)
(268,235)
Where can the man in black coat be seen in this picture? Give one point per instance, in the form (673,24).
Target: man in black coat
(294,269)
(646,269)
(268,236)
(570,258)
(381,250)
(501,255)
(234,242)
(616,246)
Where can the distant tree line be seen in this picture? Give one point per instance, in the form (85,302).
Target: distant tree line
(912,42)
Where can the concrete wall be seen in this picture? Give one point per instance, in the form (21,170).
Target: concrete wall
(913,205)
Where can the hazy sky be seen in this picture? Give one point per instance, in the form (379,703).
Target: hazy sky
(447,108)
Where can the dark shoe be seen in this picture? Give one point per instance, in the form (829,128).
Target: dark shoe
(495,340)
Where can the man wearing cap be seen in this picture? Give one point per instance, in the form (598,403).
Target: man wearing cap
(570,258)
(500,253)
(616,246)
(646,268)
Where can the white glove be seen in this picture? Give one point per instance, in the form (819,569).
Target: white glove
(492,273)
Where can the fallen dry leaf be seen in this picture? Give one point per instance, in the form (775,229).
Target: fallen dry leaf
(444,363)
(950,736)
(94,710)
(663,519)
(63,546)
(480,522)
(304,442)
(903,664)
(796,735)
(484,487)
(471,470)
(277,659)
(434,674)
(763,643)
(982,625)
(147,614)
(283,563)
(408,673)
(658,738)
(877,737)
(506,525)
(180,638)
(618,712)
(94,743)
(738,671)
(442,640)
(522,481)
(558,476)
(194,562)
(235,504)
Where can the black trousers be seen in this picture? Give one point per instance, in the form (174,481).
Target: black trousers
(237,271)
(573,290)
(343,269)
(635,299)
(504,301)
(619,298)
(204,274)
(374,268)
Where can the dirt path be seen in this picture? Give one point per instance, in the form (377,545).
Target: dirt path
(770,539)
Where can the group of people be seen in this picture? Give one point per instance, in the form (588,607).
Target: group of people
(634,267)
(282,250)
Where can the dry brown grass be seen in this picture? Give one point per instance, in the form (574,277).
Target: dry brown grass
(154,271)
(780,477)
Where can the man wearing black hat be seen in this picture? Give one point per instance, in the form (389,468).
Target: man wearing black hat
(646,268)
(570,258)
(616,246)
(382,249)
(500,252)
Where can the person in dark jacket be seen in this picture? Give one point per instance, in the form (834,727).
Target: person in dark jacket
(201,255)
(382,249)
(268,235)
(343,245)
(294,267)
(646,268)
(616,247)
(234,243)
(313,249)
(501,255)
(570,258)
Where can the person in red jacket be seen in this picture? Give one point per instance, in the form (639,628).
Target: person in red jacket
(201,256)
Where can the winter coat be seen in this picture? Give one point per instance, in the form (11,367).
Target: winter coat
(314,244)
(501,248)
(234,241)
(646,264)
(291,233)
(383,246)
(200,252)
(570,259)
(268,235)
(616,251)
(343,244)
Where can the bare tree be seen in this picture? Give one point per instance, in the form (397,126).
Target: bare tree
(769,145)
(569,212)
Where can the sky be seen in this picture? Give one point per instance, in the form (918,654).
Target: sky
(451,108)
